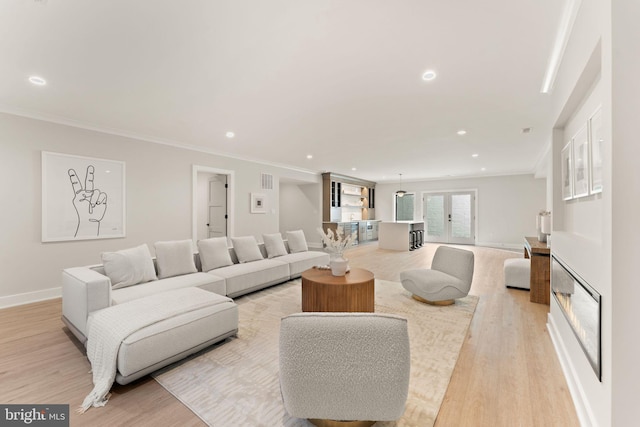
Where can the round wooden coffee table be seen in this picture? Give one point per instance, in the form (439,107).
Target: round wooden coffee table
(353,292)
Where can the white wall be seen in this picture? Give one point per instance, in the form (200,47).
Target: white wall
(581,228)
(507,205)
(300,210)
(158,191)
(624,63)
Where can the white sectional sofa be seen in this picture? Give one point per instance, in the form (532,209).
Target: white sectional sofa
(87,289)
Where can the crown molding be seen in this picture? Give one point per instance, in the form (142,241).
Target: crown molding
(60,120)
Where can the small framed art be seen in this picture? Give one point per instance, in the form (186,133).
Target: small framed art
(581,163)
(258,203)
(596,140)
(567,172)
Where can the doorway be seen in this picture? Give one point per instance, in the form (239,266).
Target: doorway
(217,206)
(212,203)
(449,217)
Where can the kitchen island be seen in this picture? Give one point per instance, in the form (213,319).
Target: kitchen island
(400,235)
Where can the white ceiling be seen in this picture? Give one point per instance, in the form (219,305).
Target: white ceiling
(340,80)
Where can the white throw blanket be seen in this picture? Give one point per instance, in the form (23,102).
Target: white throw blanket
(110,326)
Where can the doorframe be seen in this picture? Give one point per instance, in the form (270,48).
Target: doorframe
(457,190)
(194,198)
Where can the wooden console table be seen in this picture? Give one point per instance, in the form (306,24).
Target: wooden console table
(540,281)
(353,292)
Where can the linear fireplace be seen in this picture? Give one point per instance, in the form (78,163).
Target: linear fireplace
(580,304)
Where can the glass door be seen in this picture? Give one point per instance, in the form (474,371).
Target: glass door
(449,217)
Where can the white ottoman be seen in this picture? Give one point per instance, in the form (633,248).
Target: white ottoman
(517,273)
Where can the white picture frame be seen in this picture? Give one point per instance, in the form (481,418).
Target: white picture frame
(580,163)
(258,203)
(566,172)
(596,141)
(83,198)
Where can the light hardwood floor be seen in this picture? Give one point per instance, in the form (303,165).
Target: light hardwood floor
(507,373)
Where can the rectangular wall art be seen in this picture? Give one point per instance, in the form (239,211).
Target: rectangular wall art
(567,175)
(581,163)
(595,144)
(82,198)
(258,203)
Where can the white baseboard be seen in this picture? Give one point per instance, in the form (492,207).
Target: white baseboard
(583,410)
(29,297)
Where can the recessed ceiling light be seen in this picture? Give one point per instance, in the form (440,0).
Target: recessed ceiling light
(462,132)
(483,169)
(474,155)
(39,81)
(354,169)
(429,75)
(309,156)
(230,134)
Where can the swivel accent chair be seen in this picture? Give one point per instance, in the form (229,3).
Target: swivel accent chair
(449,277)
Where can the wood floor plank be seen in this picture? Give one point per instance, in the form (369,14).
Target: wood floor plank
(507,373)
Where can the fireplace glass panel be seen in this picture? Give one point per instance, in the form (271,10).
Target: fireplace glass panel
(580,304)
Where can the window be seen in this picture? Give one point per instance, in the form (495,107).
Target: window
(404,207)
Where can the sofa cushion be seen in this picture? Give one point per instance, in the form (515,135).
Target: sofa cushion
(214,253)
(244,278)
(246,249)
(297,241)
(129,266)
(174,258)
(274,245)
(208,282)
(302,261)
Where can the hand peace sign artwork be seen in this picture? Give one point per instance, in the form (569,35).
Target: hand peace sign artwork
(82,198)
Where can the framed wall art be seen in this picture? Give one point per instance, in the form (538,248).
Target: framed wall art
(82,198)
(258,203)
(566,171)
(596,140)
(581,163)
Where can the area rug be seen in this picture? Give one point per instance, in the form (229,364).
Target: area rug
(235,383)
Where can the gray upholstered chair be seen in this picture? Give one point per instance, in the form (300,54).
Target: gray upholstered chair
(449,277)
(343,368)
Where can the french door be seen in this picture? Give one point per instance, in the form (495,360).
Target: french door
(449,217)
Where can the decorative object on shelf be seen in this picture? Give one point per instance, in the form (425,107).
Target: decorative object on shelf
(336,244)
(543,225)
(596,141)
(82,198)
(258,203)
(567,171)
(401,192)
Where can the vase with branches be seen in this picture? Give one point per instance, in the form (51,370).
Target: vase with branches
(336,243)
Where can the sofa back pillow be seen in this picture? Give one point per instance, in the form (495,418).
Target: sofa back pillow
(297,241)
(274,245)
(246,249)
(129,267)
(214,253)
(174,258)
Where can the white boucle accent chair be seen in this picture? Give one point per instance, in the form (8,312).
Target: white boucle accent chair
(449,278)
(344,367)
